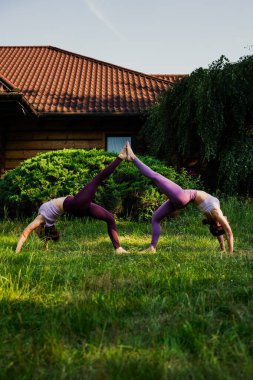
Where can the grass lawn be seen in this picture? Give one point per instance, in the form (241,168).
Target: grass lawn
(79,311)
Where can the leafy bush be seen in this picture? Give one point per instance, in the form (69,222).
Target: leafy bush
(61,173)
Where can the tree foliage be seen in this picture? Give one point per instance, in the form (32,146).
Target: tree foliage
(208,115)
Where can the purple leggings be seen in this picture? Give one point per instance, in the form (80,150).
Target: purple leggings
(178,198)
(81,205)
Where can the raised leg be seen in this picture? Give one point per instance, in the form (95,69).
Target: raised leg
(87,193)
(178,196)
(167,187)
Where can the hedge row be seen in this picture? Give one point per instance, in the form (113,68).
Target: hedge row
(60,173)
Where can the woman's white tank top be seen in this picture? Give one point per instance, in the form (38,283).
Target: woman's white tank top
(209,204)
(50,213)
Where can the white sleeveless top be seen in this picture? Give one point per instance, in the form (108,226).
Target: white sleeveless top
(209,204)
(50,213)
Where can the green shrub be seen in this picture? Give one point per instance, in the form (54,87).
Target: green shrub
(61,173)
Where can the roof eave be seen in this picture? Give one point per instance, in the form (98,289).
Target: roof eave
(19,98)
(85,115)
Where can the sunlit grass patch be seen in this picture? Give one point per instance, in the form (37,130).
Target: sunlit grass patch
(81,311)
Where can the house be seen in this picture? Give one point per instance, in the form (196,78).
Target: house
(54,99)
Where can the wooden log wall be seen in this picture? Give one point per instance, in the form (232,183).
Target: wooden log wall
(27,142)
(24,140)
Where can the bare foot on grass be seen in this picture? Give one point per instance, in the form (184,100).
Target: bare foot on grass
(120,250)
(150,249)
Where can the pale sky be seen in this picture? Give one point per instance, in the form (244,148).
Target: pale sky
(150,36)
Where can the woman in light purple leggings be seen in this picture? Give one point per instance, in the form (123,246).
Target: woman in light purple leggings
(179,198)
(78,205)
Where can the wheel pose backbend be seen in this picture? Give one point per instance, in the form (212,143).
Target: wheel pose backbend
(179,198)
(77,205)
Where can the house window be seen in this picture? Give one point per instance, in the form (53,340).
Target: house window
(115,143)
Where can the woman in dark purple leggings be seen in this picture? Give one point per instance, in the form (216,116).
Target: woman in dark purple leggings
(77,205)
(179,198)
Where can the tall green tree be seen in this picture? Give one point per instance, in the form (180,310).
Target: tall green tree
(208,115)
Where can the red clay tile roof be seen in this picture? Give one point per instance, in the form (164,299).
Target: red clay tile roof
(170,77)
(54,80)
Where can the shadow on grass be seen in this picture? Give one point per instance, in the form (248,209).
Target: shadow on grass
(148,327)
